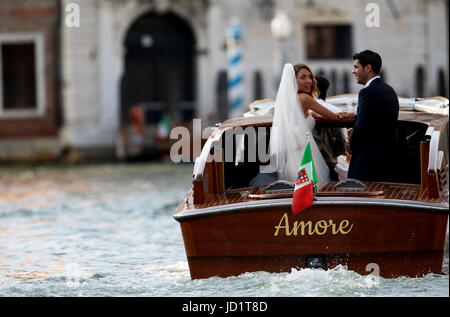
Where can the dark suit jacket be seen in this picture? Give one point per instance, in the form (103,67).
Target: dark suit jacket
(373,141)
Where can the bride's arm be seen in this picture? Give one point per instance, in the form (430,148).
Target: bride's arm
(308,102)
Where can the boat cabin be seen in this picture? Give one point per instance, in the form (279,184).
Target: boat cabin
(239,149)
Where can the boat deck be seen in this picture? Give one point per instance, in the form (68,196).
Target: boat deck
(376,191)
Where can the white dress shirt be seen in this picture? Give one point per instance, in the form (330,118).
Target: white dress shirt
(368,83)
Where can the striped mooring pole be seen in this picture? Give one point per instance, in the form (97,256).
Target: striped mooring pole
(235,76)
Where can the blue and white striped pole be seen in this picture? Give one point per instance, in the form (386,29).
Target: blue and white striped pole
(235,74)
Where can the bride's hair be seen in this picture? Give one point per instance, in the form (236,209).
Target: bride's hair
(298,67)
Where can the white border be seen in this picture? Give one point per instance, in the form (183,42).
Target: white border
(38,41)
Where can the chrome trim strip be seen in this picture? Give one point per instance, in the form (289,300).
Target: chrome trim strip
(223,209)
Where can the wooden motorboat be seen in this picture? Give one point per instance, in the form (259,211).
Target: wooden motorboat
(392,229)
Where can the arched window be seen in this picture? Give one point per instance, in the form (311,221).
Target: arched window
(257,85)
(328,41)
(333,83)
(420,81)
(222,95)
(346,82)
(442,83)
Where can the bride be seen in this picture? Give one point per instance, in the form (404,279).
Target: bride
(293,122)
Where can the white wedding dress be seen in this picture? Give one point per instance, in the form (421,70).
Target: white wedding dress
(290,132)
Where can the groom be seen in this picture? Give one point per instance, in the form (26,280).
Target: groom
(373,140)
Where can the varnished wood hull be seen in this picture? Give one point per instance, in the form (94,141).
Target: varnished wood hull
(395,239)
(393,228)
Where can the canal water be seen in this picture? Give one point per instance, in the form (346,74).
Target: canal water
(107,230)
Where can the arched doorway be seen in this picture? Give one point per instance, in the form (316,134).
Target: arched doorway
(159,71)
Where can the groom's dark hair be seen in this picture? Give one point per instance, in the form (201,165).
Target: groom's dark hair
(368,57)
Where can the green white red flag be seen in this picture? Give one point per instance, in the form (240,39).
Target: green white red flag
(306,178)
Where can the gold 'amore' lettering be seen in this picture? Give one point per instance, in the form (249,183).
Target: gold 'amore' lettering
(308,228)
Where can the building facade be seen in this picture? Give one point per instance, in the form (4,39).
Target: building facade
(170,56)
(30,104)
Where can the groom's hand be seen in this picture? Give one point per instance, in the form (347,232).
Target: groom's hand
(346,115)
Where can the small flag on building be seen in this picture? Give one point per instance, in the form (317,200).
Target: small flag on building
(164,127)
(306,178)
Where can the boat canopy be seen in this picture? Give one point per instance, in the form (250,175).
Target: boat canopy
(349,102)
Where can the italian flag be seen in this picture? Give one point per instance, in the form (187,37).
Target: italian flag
(306,178)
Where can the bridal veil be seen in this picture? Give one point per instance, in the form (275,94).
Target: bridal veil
(290,130)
